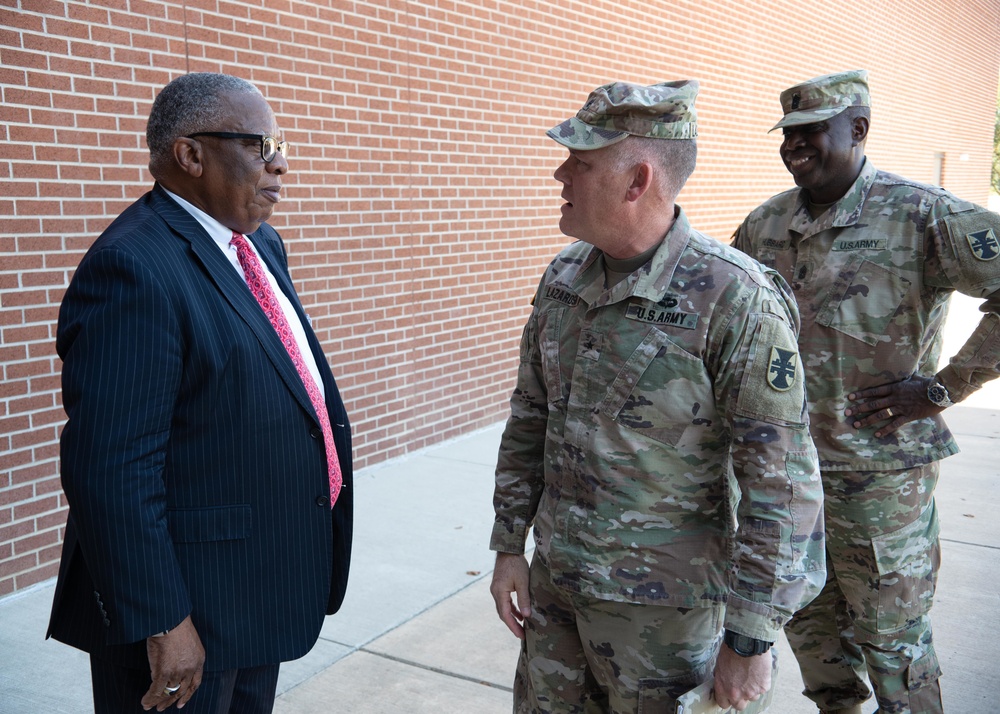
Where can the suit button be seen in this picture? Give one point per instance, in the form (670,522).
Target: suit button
(322,500)
(107,622)
(316,433)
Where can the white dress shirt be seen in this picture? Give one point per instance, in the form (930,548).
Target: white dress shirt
(222,237)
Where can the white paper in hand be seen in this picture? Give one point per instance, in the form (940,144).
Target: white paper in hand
(700,701)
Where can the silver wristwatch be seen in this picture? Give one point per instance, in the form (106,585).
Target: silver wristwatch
(938,394)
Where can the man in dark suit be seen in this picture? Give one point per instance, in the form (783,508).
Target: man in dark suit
(210,501)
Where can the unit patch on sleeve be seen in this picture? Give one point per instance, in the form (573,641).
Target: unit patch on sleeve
(781,369)
(984,244)
(772,388)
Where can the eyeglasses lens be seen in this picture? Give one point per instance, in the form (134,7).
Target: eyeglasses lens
(271,147)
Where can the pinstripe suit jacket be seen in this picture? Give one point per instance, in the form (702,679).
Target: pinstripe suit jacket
(192,460)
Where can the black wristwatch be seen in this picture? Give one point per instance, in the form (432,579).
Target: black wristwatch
(745,646)
(938,394)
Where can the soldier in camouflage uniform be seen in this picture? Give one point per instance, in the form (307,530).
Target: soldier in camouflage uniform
(873,259)
(655,361)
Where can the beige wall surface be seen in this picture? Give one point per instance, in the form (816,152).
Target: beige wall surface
(420,208)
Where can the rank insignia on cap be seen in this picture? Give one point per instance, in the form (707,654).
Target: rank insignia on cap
(984,244)
(796,100)
(781,370)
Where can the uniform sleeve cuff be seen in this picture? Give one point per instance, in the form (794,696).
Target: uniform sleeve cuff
(508,538)
(957,388)
(752,619)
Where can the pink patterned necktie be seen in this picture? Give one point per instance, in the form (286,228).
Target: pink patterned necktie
(261,289)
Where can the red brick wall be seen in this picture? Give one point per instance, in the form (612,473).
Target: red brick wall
(420,207)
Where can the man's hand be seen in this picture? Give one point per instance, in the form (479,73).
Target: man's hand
(175,660)
(740,680)
(899,402)
(510,576)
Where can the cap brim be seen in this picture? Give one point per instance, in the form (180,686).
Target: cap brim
(575,134)
(808,117)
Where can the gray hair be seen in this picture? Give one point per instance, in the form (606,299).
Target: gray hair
(188,104)
(674,160)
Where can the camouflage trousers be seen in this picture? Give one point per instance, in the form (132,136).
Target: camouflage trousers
(581,655)
(871,618)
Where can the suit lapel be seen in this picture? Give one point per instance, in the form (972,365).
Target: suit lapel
(269,253)
(234,289)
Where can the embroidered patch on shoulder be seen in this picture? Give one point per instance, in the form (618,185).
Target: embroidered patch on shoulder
(776,243)
(781,369)
(861,244)
(656,316)
(772,388)
(984,244)
(559,294)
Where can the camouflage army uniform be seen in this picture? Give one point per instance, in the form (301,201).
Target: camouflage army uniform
(631,404)
(872,276)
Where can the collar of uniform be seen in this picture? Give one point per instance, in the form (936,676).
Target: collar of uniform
(587,278)
(845,212)
(653,278)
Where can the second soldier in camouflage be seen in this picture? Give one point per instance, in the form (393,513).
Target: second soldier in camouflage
(873,259)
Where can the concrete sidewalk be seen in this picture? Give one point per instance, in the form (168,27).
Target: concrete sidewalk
(418,632)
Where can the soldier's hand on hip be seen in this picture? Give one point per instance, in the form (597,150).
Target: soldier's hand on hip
(893,404)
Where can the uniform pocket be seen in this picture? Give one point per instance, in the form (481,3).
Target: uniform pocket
(773,387)
(802,469)
(923,671)
(550,346)
(658,695)
(907,561)
(864,300)
(975,242)
(662,392)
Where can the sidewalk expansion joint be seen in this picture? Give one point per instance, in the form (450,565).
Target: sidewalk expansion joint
(974,545)
(436,670)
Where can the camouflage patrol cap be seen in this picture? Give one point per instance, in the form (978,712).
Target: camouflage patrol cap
(620,109)
(823,97)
